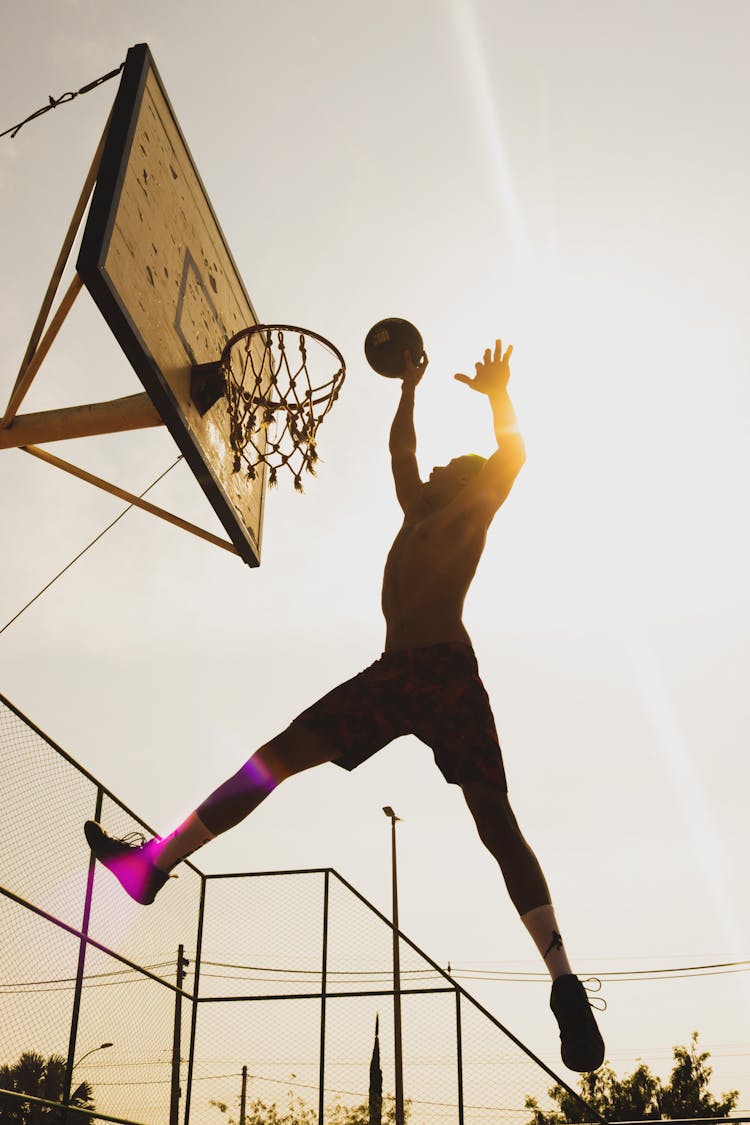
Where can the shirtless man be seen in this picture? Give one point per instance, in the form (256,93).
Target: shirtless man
(426,683)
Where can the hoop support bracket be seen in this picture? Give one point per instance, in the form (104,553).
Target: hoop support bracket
(207,385)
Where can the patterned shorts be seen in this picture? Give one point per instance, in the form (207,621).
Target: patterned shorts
(434,693)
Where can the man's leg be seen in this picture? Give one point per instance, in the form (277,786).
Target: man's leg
(144,868)
(499,832)
(583,1049)
(296,749)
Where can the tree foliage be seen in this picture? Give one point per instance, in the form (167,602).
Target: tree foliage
(41,1078)
(641,1095)
(298,1112)
(360,1114)
(258,1112)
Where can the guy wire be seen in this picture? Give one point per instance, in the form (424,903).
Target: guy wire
(91,544)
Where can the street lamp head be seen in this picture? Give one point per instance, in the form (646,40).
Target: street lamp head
(101,1047)
(389,812)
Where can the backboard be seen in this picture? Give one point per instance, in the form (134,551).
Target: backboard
(157,265)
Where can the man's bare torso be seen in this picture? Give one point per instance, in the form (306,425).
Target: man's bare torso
(427,574)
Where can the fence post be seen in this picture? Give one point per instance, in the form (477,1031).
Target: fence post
(460,1060)
(194,1013)
(78,991)
(323,984)
(397,1040)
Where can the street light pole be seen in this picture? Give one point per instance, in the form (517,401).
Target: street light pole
(398,1050)
(101,1047)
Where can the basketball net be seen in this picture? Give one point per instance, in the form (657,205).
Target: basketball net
(281,382)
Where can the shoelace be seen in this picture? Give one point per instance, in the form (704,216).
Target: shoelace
(591,985)
(138,840)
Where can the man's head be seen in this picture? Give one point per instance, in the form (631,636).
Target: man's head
(446,481)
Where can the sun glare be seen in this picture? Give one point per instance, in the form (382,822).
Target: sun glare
(478,80)
(700,829)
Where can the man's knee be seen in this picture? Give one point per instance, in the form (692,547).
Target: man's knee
(297,748)
(483,798)
(492,813)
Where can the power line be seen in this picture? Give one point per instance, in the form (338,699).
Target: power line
(292,1084)
(87,976)
(458,973)
(365,976)
(613,977)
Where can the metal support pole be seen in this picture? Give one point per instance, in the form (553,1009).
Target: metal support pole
(128,497)
(29,372)
(398,1049)
(57,273)
(323,987)
(243,1096)
(174,1101)
(78,989)
(460,1059)
(194,1002)
(134,412)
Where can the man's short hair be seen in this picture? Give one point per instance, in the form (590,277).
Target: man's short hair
(474,463)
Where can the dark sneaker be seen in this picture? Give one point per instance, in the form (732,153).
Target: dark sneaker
(130,860)
(582,1047)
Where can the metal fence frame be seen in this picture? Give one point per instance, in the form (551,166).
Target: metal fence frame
(196,1001)
(65,1111)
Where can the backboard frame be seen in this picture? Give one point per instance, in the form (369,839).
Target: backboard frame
(168,385)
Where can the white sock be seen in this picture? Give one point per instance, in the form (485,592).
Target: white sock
(542,925)
(178,845)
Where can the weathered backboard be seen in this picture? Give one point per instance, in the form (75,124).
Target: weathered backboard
(156,263)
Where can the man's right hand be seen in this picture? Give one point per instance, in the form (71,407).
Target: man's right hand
(413,372)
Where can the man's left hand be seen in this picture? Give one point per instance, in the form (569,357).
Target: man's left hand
(493,373)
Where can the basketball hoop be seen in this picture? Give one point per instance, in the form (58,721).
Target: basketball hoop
(279,382)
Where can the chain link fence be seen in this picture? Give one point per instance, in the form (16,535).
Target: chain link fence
(241,999)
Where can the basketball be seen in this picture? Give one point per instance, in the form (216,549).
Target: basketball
(386,343)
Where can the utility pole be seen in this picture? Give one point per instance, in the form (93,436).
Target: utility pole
(174,1101)
(399,1060)
(243,1095)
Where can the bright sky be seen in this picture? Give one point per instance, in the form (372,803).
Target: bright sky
(573,178)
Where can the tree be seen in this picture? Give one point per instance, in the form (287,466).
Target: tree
(687,1094)
(360,1114)
(41,1078)
(641,1095)
(259,1112)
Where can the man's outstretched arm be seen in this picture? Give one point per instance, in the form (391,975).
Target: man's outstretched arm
(491,379)
(403,439)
